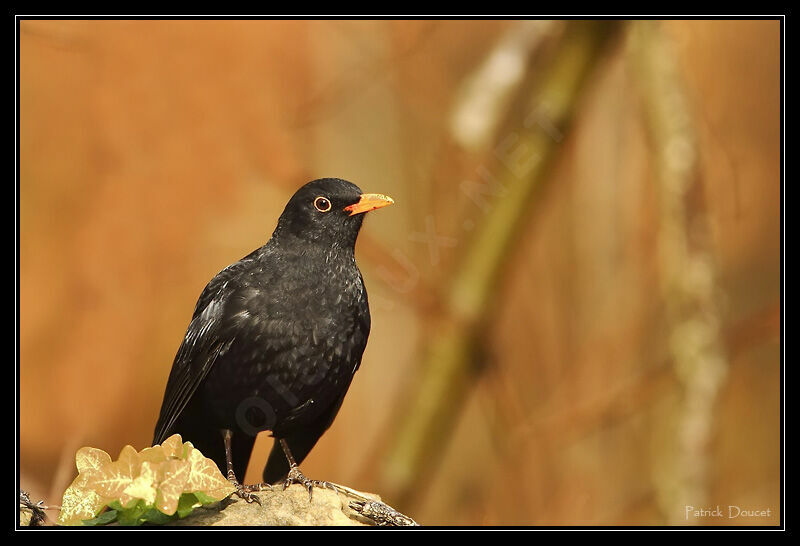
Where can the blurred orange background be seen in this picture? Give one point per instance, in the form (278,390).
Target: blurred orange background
(155,153)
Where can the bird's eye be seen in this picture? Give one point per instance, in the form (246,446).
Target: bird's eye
(322,204)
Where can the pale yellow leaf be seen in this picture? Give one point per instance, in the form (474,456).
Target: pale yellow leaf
(80,501)
(129,461)
(125,470)
(90,458)
(153,454)
(206,477)
(157,475)
(142,486)
(172,476)
(113,479)
(173,446)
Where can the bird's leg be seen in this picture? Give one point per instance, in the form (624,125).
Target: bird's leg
(242,491)
(296,476)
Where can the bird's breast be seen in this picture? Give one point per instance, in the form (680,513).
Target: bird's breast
(298,342)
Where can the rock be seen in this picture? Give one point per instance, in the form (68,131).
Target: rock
(290,507)
(282,508)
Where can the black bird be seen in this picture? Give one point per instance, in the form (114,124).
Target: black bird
(275,339)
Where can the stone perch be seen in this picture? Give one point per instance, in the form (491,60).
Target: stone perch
(291,507)
(278,508)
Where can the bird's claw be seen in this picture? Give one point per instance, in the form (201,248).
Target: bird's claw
(245,492)
(296,476)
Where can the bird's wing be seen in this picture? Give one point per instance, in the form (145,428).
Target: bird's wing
(205,341)
(201,347)
(363,321)
(220,283)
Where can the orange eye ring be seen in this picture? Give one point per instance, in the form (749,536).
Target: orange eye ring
(322,204)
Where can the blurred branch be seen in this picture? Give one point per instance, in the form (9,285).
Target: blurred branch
(433,401)
(486,93)
(687,273)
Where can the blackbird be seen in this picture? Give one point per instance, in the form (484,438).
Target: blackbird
(275,340)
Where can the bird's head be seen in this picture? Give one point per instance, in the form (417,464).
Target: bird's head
(328,211)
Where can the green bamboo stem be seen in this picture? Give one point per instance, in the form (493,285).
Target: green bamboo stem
(421,429)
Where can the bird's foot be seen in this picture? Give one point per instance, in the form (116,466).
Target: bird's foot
(296,476)
(245,492)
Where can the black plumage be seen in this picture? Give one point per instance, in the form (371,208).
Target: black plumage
(276,337)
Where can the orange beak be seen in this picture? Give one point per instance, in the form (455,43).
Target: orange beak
(368,202)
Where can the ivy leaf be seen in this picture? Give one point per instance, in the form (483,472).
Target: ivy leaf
(144,486)
(155,454)
(155,485)
(81,501)
(113,479)
(205,477)
(156,517)
(186,504)
(173,476)
(187,448)
(205,499)
(173,447)
(132,515)
(103,519)
(90,458)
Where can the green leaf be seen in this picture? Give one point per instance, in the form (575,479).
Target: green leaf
(131,516)
(103,519)
(156,517)
(205,499)
(186,504)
